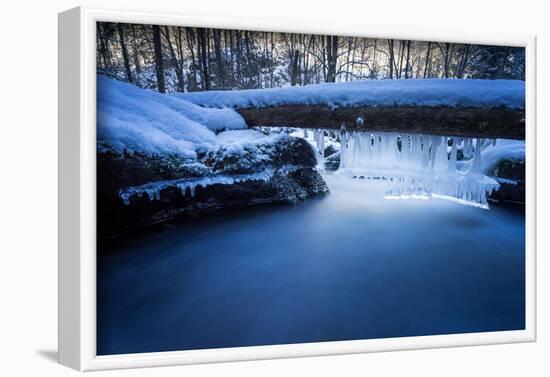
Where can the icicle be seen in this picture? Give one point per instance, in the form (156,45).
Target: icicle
(417,166)
(467,148)
(452,159)
(476,163)
(343,149)
(321,149)
(440,154)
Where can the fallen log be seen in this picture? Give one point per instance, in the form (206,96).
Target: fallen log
(490,122)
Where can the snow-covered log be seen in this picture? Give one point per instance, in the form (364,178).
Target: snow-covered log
(470,108)
(490,122)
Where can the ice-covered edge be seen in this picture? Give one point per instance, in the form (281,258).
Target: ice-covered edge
(189,185)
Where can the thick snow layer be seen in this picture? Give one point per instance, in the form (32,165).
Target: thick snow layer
(416,92)
(133,119)
(236,142)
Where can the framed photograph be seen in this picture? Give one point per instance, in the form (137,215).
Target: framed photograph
(236,189)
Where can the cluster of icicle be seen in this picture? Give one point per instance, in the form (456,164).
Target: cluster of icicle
(418,166)
(319,143)
(189,186)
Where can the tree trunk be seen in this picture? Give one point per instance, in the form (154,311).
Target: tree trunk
(348,59)
(239,57)
(124,54)
(332,57)
(204,58)
(232,57)
(463,61)
(271,71)
(103,47)
(400,65)
(219,61)
(136,51)
(175,62)
(427,60)
(446,61)
(294,70)
(407,62)
(159,64)
(391,57)
(190,37)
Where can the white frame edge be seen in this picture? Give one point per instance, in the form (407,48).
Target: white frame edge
(77,192)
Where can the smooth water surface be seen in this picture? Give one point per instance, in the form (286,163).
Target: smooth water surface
(351,265)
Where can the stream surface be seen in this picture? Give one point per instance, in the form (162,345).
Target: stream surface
(350,265)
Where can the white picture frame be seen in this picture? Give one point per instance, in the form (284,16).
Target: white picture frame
(77,204)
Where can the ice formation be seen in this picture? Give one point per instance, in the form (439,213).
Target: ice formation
(319,138)
(189,185)
(153,189)
(418,166)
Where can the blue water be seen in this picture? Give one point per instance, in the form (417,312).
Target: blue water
(347,266)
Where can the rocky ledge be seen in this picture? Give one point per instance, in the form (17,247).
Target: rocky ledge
(510,174)
(136,191)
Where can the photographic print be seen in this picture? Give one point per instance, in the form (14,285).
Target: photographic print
(262,188)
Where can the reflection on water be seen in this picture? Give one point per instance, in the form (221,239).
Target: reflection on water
(347,266)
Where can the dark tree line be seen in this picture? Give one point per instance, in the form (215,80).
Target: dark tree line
(168,58)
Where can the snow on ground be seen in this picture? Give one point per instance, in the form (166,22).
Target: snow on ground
(235,142)
(503,150)
(415,92)
(138,120)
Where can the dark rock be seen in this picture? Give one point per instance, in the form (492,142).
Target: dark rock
(511,176)
(509,193)
(509,169)
(330,150)
(294,179)
(286,151)
(333,161)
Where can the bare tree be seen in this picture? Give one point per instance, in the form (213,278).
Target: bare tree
(204,52)
(220,73)
(159,64)
(202,59)
(174,60)
(407,61)
(427,59)
(332,57)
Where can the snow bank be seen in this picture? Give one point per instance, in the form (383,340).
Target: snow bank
(236,142)
(138,120)
(416,92)
(503,150)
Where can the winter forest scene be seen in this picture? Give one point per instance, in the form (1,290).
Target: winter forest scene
(260,188)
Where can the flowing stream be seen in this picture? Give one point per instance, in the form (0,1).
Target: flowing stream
(350,265)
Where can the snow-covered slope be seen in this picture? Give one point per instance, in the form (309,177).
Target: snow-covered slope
(133,119)
(417,92)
